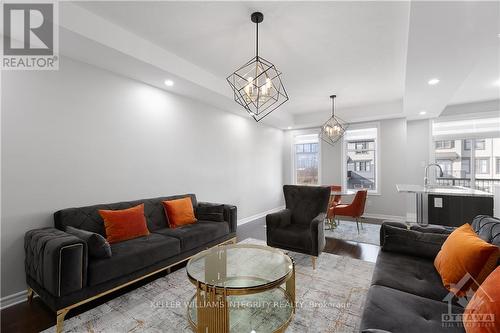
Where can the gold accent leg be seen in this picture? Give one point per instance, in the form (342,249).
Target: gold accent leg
(212,310)
(313,259)
(290,286)
(30,295)
(60,319)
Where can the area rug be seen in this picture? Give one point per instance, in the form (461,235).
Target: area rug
(346,230)
(329,299)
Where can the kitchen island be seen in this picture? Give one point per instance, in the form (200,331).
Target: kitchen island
(448,205)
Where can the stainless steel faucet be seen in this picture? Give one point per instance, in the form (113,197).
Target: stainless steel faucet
(426,178)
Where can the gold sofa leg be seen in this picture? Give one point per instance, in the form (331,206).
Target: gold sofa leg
(30,295)
(60,319)
(313,259)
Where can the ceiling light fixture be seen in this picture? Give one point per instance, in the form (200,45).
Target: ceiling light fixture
(334,128)
(257,85)
(289,127)
(423,112)
(168,83)
(497,83)
(433,82)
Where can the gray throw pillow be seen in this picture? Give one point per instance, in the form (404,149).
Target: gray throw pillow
(411,242)
(210,213)
(97,245)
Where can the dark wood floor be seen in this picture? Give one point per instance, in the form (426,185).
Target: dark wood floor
(36,316)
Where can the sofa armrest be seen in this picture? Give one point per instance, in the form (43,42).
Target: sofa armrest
(278,219)
(230,214)
(398,238)
(318,233)
(56,260)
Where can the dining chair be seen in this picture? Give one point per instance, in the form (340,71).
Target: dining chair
(334,201)
(355,209)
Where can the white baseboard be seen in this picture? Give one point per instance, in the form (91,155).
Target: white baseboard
(385,217)
(259,215)
(14,299)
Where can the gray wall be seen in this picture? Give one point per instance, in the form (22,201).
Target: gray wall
(392,163)
(81,135)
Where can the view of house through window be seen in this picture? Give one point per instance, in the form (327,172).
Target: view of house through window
(360,159)
(469,162)
(306,161)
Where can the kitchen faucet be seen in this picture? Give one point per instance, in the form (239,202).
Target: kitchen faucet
(426,178)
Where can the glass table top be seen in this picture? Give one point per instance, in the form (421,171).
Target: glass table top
(239,266)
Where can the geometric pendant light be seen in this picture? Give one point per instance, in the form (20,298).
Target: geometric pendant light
(257,85)
(334,128)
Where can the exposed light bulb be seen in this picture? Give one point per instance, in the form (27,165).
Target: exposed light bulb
(433,82)
(168,83)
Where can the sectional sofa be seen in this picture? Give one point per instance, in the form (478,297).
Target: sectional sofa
(406,293)
(59,269)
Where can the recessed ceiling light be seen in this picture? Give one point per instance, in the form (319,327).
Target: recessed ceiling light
(497,83)
(169,83)
(423,112)
(289,127)
(433,82)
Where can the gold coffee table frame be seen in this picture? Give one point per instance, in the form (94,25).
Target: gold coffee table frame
(215,318)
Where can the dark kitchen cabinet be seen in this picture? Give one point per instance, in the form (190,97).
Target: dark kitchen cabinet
(454,211)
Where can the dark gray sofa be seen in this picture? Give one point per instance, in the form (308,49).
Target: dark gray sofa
(61,272)
(406,293)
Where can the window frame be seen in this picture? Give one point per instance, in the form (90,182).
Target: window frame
(293,135)
(377,164)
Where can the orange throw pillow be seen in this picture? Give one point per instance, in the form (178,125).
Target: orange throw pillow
(179,212)
(124,224)
(483,311)
(464,252)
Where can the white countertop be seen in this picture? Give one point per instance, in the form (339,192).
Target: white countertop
(443,190)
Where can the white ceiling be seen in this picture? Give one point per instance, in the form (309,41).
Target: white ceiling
(376,56)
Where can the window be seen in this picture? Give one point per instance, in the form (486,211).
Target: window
(306,159)
(445,144)
(466,166)
(479,145)
(360,159)
(447,166)
(476,150)
(482,165)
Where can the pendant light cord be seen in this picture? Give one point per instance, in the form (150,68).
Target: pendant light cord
(257,40)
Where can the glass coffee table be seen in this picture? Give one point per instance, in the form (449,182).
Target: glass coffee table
(241,288)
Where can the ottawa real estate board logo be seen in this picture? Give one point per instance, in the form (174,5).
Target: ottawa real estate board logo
(30,36)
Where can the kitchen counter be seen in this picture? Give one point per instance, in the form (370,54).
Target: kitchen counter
(448,205)
(442,190)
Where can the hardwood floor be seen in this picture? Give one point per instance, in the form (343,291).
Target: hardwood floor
(35,317)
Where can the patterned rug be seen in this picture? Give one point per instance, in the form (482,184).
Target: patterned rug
(346,230)
(329,299)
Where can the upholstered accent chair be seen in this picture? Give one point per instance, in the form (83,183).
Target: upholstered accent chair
(300,226)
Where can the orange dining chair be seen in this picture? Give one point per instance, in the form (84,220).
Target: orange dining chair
(334,201)
(355,209)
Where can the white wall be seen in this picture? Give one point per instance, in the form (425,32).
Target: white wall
(81,136)
(417,156)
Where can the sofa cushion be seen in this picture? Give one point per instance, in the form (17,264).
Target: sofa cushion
(414,275)
(132,255)
(464,252)
(196,234)
(210,213)
(293,236)
(399,312)
(97,246)
(124,224)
